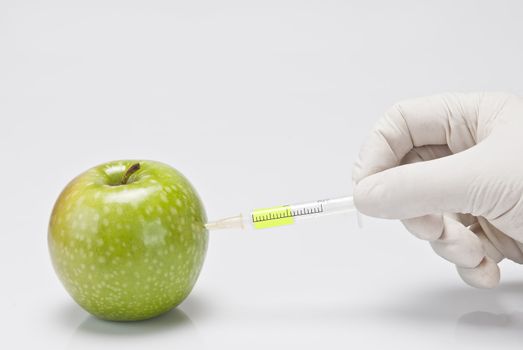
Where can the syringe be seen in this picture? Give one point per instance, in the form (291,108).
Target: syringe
(286,214)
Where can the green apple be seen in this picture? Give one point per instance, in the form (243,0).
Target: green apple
(128,239)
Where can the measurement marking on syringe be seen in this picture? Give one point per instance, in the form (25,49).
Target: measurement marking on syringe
(278,213)
(271,214)
(308,211)
(270,217)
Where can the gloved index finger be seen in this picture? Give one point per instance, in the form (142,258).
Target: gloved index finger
(446,119)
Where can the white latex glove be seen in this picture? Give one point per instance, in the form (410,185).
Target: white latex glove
(451,168)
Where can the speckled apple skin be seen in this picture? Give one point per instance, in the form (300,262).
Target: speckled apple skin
(128,252)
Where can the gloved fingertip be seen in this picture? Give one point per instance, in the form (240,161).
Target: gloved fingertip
(459,245)
(486,275)
(427,227)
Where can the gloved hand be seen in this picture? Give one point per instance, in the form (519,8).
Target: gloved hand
(451,168)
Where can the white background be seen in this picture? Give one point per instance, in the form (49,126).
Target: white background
(258,103)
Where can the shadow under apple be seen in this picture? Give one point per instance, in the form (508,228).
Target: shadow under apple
(173,329)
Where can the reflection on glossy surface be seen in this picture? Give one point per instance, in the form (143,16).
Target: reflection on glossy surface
(480,316)
(497,322)
(483,319)
(175,327)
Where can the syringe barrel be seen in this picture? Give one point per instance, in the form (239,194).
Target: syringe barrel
(324,207)
(341,204)
(286,214)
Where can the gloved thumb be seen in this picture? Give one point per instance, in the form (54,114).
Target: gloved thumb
(418,189)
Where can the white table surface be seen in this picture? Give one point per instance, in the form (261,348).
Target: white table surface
(258,103)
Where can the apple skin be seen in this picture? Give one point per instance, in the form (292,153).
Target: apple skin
(129,251)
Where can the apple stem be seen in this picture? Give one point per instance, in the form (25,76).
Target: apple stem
(131,170)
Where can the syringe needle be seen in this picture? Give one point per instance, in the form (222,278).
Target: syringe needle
(234,222)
